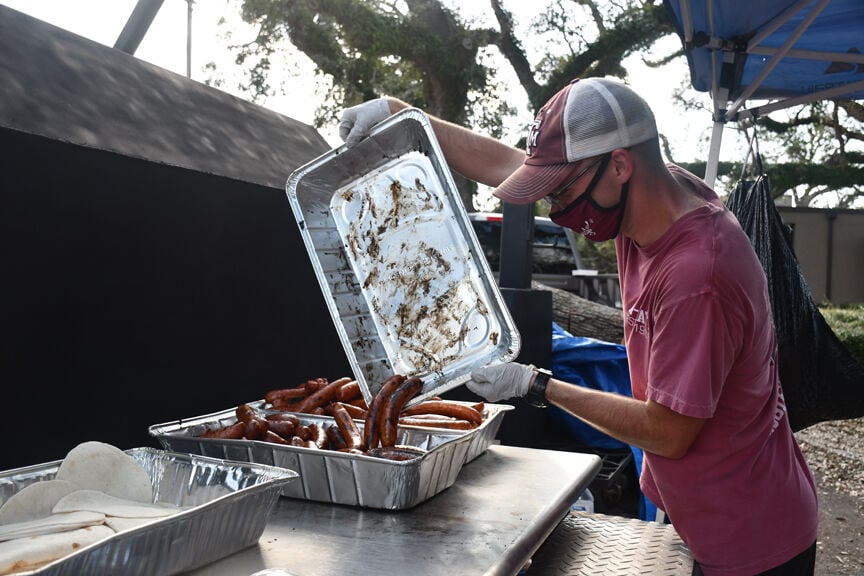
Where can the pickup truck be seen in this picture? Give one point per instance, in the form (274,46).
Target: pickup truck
(556,259)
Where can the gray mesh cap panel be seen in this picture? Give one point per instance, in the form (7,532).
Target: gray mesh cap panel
(602,115)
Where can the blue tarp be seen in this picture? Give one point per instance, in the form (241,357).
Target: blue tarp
(816,62)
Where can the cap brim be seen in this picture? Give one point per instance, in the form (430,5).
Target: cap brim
(530,183)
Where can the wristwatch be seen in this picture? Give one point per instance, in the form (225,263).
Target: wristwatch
(536,395)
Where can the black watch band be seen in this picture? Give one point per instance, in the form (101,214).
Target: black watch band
(536,395)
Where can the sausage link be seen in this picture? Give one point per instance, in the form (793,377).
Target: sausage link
(284,428)
(359,402)
(270,436)
(395,403)
(348,391)
(245,413)
(255,429)
(322,397)
(337,442)
(317,436)
(346,424)
(287,405)
(356,412)
(283,418)
(445,408)
(371,427)
(234,431)
(314,385)
(448,423)
(285,395)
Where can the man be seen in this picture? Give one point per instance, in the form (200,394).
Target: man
(707,408)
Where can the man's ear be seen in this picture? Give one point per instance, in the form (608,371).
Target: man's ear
(622,164)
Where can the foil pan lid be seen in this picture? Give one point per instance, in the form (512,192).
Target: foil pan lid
(400,267)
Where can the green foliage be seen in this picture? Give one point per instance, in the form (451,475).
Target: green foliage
(847,322)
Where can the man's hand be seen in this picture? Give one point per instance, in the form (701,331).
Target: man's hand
(501,381)
(358,120)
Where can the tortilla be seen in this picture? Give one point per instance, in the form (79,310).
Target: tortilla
(50,524)
(121,524)
(30,553)
(98,466)
(96,501)
(35,500)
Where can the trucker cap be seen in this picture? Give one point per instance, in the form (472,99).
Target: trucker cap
(586,118)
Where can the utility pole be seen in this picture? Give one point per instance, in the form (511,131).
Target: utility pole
(189,38)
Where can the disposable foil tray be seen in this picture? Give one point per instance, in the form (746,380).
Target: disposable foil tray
(402,272)
(227,505)
(340,477)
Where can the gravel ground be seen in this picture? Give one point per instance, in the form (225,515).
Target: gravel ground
(835,453)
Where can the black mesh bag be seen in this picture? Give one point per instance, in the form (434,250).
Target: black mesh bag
(821,380)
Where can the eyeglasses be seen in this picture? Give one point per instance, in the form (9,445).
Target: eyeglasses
(552,199)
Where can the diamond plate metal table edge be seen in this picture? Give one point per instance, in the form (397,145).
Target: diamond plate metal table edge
(599,544)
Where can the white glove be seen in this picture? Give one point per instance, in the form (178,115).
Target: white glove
(501,381)
(358,120)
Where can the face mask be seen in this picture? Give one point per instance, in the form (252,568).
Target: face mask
(588,218)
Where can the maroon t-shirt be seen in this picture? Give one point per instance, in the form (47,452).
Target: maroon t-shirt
(700,340)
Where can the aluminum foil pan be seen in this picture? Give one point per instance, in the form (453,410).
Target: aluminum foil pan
(343,478)
(402,272)
(230,504)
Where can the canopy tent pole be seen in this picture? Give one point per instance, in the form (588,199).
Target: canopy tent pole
(720,96)
(714,153)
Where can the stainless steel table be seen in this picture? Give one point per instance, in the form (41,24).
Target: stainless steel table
(502,507)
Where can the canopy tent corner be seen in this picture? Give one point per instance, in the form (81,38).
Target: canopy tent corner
(782,52)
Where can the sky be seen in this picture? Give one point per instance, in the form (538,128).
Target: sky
(165,45)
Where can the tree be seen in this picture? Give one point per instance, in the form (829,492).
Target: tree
(426,54)
(811,153)
(821,143)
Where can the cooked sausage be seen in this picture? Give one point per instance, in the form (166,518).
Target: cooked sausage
(287,405)
(356,412)
(281,417)
(359,402)
(270,436)
(322,397)
(285,395)
(371,427)
(255,429)
(314,385)
(245,413)
(437,422)
(445,408)
(317,436)
(348,391)
(234,431)
(284,428)
(337,441)
(395,403)
(346,424)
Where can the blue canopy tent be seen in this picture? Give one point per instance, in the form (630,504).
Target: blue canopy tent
(783,52)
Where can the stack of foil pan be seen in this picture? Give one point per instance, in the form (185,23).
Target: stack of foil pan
(226,507)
